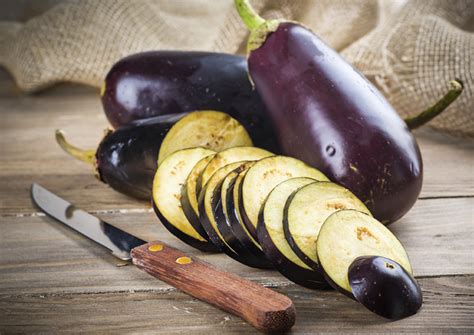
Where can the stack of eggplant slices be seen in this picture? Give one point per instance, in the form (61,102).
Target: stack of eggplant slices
(217,192)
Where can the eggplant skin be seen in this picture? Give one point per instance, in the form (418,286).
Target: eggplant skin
(244,255)
(330,116)
(126,158)
(384,287)
(306,278)
(164,82)
(200,245)
(236,226)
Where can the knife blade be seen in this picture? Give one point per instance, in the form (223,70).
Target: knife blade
(263,308)
(119,242)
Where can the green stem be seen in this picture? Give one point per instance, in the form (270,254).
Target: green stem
(430,113)
(87,156)
(251,19)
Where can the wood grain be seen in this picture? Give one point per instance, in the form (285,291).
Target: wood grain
(448,308)
(437,234)
(261,307)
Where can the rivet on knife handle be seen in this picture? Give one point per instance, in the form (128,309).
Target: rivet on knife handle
(263,308)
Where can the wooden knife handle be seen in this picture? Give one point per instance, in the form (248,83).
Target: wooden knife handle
(263,308)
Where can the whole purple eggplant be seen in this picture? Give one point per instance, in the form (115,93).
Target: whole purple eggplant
(330,116)
(165,82)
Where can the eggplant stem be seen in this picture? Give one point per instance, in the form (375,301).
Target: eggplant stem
(250,17)
(456,87)
(87,156)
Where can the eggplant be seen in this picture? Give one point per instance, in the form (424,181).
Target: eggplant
(208,199)
(272,238)
(348,234)
(155,83)
(167,184)
(262,177)
(228,156)
(384,287)
(330,116)
(126,159)
(212,216)
(305,211)
(189,196)
(234,217)
(231,229)
(208,129)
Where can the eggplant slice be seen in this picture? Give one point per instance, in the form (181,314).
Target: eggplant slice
(272,238)
(206,203)
(384,287)
(167,184)
(208,129)
(348,234)
(262,178)
(227,228)
(228,156)
(211,216)
(234,217)
(224,226)
(189,195)
(307,209)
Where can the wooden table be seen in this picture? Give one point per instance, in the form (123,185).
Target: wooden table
(52,279)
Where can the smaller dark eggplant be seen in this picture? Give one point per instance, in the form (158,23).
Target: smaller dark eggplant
(126,159)
(384,287)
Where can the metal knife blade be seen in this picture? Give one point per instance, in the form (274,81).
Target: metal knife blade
(119,242)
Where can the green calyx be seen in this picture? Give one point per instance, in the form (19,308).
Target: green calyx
(258,26)
(259,35)
(87,156)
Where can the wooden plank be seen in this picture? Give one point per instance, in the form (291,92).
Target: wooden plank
(39,255)
(448,308)
(29,153)
(448,164)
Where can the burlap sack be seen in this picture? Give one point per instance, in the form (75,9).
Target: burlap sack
(409,49)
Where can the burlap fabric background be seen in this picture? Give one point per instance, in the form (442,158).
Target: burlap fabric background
(409,49)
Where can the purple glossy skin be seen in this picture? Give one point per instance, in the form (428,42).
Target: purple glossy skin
(330,116)
(301,276)
(126,158)
(384,287)
(166,82)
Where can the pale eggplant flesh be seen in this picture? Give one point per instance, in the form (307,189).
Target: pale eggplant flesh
(228,228)
(189,194)
(208,129)
(167,185)
(348,234)
(305,212)
(262,177)
(272,238)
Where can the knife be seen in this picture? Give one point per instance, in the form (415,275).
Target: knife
(261,307)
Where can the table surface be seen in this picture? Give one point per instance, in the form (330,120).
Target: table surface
(52,279)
